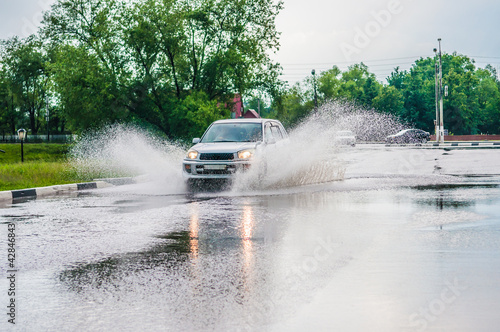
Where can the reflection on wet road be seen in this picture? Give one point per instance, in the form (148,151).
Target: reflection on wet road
(386,253)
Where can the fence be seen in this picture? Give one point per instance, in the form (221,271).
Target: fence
(469,138)
(38,139)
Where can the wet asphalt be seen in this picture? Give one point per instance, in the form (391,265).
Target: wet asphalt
(409,240)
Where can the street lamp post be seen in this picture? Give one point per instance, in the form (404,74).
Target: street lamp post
(22,134)
(439,96)
(313,72)
(436,79)
(441,93)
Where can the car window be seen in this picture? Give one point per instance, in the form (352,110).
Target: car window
(283,131)
(254,134)
(268,134)
(233,132)
(276,132)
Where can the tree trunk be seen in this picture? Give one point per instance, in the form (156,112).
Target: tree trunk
(33,122)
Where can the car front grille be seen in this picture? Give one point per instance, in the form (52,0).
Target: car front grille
(203,169)
(216,156)
(213,172)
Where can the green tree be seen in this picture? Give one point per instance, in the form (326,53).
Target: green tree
(419,95)
(461,114)
(85,89)
(397,78)
(88,65)
(390,100)
(154,54)
(194,114)
(230,42)
(25,74)
(358,84)
(472,105)
(91,24)
(294,106)
(488,100)
(329,83)
(9,118)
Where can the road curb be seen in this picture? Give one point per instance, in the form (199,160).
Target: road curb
(12,195)
(456,145)
(466,144)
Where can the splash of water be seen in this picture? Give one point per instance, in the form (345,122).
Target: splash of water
(125,150)
(368,125)
(311,154)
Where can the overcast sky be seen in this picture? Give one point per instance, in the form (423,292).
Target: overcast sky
(317,34)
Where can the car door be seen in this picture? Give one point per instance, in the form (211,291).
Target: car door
(275,134)
(269,138)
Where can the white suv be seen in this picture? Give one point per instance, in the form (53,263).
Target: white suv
(229,146)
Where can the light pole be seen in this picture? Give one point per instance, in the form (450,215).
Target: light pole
(436,81)
(439,97)
(22,134)
(313,72)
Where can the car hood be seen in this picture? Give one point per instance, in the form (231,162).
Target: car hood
(227,147)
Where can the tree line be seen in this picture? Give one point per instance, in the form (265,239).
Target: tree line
(174,66)
(471,107)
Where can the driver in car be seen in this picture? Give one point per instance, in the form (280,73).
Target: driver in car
(227,135)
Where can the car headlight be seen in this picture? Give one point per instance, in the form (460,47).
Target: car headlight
(246,154)
(192,154)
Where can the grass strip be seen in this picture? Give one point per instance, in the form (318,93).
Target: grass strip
(33,152)
(37,174)
(44,165)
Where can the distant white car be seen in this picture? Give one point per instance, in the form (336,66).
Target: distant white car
(228,146)
(409,136)
(345,137)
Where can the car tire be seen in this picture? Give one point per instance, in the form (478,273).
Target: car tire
(193,185)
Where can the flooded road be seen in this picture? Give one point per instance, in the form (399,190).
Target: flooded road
(409,240)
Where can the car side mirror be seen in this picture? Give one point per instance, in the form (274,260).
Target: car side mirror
(196,140)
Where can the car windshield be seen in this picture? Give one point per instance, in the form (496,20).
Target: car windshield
(233,132)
